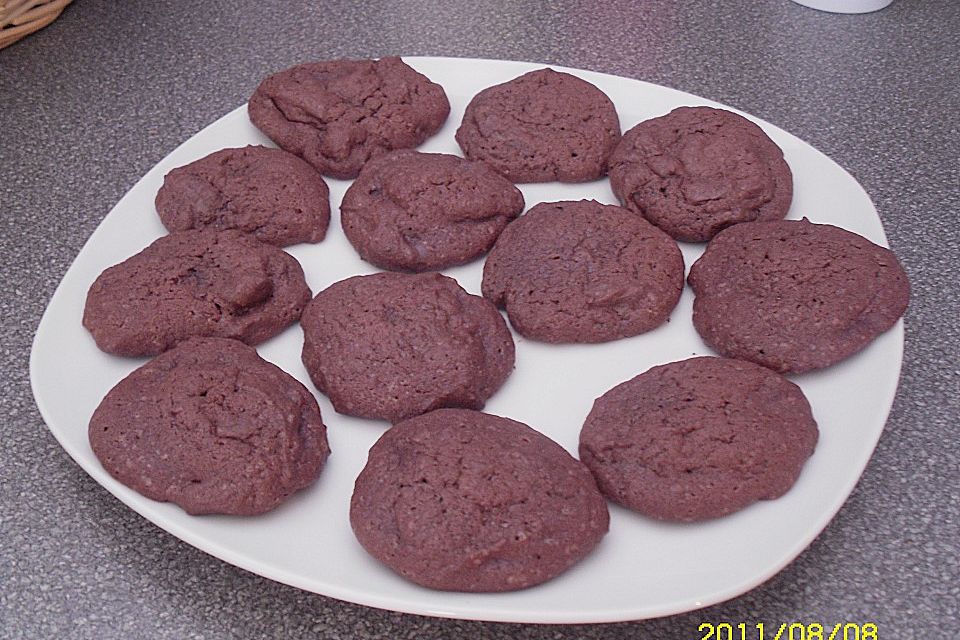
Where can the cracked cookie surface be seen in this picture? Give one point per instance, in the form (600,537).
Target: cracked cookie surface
(581,271)
(195,283)
(426,211)
(339,114)
(698,170)
(540,127)
(395,345)
(460,500)
(795,296)
(269,193)
(211,427)
(698,439)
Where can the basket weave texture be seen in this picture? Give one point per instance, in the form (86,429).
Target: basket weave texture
(20,18)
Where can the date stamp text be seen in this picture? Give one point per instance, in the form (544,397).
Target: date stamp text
(787,631)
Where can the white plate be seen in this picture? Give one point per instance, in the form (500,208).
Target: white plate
(642,568)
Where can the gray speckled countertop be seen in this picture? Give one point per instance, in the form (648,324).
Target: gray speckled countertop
(90,103)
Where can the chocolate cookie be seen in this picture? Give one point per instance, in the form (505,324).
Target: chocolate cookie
(211,427)
(269,193)
(338,114)
(195,283)
(583,272)
(698,439)
(393,345)
(540,127)
(795,296)
(698,170)
(426,211)
(465,501)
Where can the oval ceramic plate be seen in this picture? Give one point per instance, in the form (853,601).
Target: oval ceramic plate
(642,568)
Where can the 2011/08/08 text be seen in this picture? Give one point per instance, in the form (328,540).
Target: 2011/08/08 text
(791,631)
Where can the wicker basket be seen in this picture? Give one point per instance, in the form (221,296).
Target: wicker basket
(20,18)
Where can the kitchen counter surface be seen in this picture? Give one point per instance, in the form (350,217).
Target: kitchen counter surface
(90,103)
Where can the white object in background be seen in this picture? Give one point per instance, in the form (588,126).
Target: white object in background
(845,6)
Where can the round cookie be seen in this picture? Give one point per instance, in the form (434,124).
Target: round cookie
(411,211)
(698,170)
(338,114)
(269,193)
(211,427)
(698,439)
(460,500)
(195,283)
(543,126)
(395,345)
(583,272)
(795,296)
